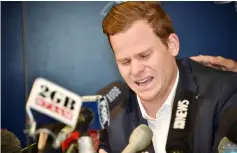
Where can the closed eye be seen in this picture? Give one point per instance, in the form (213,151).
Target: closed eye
(145,55)
(126,62)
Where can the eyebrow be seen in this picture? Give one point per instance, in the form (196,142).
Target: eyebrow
(122,60)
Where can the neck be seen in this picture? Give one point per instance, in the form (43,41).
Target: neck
(153,106)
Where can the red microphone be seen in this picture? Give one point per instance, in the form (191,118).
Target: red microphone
(73,137)
(95,138)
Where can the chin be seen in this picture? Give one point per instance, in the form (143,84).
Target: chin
(146,96)
(149,95)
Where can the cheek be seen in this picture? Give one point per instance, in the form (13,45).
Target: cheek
(124,72)
(159,66)
(156,65)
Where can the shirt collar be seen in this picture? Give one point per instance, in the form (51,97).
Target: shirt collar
(168,103)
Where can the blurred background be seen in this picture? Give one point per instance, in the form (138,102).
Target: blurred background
(63,42)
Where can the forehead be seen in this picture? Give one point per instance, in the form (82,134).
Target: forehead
(138,37)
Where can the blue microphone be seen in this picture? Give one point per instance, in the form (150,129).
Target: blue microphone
(97,108)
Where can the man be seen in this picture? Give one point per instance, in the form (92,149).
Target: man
(145,46)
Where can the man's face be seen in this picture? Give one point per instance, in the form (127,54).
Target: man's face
(144,62)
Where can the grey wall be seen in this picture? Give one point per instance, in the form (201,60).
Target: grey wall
(65,44)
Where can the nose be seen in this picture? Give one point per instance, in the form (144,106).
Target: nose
(137,68)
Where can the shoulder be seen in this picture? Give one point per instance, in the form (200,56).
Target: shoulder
(206,77)
(200,70)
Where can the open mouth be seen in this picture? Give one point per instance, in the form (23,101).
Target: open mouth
(144,82)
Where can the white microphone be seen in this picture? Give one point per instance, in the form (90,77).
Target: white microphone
(139,139)
(43,136)
(62,135)
(49,102)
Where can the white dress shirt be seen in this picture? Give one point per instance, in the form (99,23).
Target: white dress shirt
(160,125)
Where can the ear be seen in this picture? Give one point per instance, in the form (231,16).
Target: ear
(173,44)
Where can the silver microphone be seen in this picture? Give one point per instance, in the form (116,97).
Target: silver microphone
(85,145)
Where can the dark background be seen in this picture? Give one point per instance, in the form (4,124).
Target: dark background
(63,42)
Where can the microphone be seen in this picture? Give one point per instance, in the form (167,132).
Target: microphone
(62,133)
(54,101)
(95,111)
(71,139)
(182,122)
(48,100)
(114,93)
(85,144)
(48,131)
(85,117)
(62,136)
(49,103)
(43,136)
(97,108)
(139,139)
(95,136)
(70,144)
